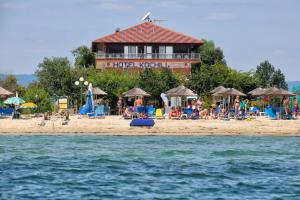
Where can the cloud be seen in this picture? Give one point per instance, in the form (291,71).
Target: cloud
(220,16)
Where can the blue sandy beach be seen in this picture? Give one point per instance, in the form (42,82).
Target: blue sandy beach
(145,167)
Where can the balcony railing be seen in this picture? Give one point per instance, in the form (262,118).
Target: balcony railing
(181,56)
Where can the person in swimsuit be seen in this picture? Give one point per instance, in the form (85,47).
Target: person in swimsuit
(286,104)
(296,107)
(236,105)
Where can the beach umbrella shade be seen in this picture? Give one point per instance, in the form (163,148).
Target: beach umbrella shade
(14,101)
(98,91)
(274,91)
(28,105)
(136,92)
(180,91)
(257,92)
(217,89)
(4,92)
(229,92)
(89,103)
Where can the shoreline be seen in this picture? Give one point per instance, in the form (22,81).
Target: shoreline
(114,126)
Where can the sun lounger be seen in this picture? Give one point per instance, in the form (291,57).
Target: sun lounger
(151,112)
(98,112)
(142,122)
(159,114)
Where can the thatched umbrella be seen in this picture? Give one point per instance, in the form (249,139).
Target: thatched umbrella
(4,92)
(180,91)
(98,91)
(257,92)
(229,92)
(277,92)
(217,89)
(273,91)
(136,92)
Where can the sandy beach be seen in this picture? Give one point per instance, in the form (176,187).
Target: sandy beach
(113,125)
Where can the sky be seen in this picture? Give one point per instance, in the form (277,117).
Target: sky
(248,31)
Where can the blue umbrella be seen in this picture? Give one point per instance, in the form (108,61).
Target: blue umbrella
(89,103)
(14,101)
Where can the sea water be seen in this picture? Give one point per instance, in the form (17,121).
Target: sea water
(145,167)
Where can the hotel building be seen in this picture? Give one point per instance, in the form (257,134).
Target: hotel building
(147,45)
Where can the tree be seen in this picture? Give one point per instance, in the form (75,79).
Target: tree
(278,80)
(84,57)
(54,74)
(9,83)
(38,95)
(264,73)
(210,54)
(268,76)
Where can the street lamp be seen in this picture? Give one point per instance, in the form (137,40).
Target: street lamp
(81,83)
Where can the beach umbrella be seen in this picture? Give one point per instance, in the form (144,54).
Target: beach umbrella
(98,91)
(28,105)
(257,92)
(136,92)
(229,92)
(4,92)
(217,89)
(274,91)
(88,102)
(14,101)
(180,91)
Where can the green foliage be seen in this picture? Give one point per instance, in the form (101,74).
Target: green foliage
(38,95)
(9,83)
(84,57)
(113,83)
(157,82)
(210,54)
(268,76)
(207,77)
(54,74)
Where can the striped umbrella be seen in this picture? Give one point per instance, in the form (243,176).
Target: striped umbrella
(14,101)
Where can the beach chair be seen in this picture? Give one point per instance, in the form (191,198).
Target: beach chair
(159,114)
(98,112)
(186,113)
(151,112)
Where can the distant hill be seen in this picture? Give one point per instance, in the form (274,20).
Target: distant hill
(293,84)
(22,79)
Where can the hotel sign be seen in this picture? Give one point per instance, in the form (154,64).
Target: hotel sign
(126,64)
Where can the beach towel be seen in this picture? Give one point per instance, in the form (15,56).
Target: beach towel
(142,122)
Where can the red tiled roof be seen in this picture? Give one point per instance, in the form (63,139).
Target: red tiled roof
(147,32)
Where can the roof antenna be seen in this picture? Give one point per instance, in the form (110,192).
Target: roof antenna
(148,19)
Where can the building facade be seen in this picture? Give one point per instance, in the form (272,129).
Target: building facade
(146,45)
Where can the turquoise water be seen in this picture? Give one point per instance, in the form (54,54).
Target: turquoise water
(104,167)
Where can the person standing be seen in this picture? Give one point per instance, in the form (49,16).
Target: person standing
(296,107)
(286,104)
(119,104)
(236,105)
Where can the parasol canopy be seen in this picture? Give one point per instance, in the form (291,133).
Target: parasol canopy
(14,101)
(180,91)
(4,92)
(136,92)
(98,91)
(229,92)
(274,91)
(217,89)
(257,92)
(29,105)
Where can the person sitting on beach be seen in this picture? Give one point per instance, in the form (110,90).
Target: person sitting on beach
(203,113)
(296,107)
(174,113)
(127,114)
(195,114)
(286,105)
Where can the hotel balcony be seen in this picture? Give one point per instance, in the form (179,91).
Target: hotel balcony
(173,56)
